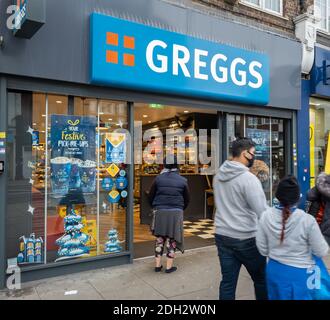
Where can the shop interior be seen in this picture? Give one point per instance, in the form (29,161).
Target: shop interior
(319,114)
(160,123)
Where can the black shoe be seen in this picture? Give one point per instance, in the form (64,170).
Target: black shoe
(171,270)
(158,269)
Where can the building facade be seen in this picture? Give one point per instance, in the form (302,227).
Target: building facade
(312,118)
(73,190)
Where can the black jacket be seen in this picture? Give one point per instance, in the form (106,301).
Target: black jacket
(169,191)
(316,196)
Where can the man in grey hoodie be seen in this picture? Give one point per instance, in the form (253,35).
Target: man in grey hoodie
(240,201)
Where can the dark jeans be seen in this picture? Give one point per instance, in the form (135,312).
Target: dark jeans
(233,253)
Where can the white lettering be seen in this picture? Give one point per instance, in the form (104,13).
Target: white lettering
(224,71)
(163,59)
(180,61)
(200,64)
(242,81)
(255,74)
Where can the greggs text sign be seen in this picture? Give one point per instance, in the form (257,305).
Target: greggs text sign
(134,56)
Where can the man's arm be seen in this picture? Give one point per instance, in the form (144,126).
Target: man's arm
(255,196)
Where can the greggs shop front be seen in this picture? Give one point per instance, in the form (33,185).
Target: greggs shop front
(90,106)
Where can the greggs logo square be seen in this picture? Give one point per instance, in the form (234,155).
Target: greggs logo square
(130,55)
(113,56)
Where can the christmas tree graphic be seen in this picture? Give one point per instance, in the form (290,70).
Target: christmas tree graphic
(73,243)
(113,245)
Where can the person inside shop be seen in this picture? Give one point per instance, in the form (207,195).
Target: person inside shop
(240,201)
(318,203)
(169,197)
(289,237)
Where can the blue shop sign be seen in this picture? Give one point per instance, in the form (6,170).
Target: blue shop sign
(321,73)
(134,56)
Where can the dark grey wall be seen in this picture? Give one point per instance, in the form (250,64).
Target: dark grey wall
(60,49)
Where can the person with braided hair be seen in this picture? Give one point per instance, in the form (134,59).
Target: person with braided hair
(289,237)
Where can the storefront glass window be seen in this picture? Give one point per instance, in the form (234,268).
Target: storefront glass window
(67,194)
(268,135)
(319,113)
(258,129)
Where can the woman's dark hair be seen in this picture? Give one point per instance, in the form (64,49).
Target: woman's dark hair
(288,194)
(285,216)
(240,145)
(173,163)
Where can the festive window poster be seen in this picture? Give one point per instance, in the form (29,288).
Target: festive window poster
(115,147)
(73,146)
(35,138)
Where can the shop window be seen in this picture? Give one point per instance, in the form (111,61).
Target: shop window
(67,190)
(322,8)
(268,135)
(271,6)
(319,113)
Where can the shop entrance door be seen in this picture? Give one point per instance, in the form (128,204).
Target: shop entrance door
(189,133)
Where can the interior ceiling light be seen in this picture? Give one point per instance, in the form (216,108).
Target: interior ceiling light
(145,116)
(59,101)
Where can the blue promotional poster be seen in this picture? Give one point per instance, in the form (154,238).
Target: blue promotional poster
(73,147)
(262,140)
(35,138)
(115,147)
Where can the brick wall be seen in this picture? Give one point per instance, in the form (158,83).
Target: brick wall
(239,11)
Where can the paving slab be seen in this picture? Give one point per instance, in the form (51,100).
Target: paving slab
(67,289)
(23,294)
(125,286)
(197,278)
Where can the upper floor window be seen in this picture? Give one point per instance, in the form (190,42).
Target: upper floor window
(322,7)
(273,6)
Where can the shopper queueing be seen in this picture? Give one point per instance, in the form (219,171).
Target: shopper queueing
(239,200)
(289,237)
(169,196)
(319,204)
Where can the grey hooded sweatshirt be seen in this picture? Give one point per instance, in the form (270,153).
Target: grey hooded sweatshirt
(240,201)
(302,238)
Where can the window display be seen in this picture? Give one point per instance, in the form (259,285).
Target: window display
(67,187)
(268,135)
(319,114)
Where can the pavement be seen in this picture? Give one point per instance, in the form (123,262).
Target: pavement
(197,278)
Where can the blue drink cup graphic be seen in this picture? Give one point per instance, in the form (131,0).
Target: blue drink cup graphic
(88,176)
(60,175)
(75,174)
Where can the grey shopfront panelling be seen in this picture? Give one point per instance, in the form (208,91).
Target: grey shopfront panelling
(60,49)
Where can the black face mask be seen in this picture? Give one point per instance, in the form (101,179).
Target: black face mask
(251,161)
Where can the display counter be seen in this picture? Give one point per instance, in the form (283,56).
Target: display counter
(197,183)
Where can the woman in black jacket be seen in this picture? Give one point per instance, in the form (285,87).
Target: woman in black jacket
(319,204)
(169,197)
